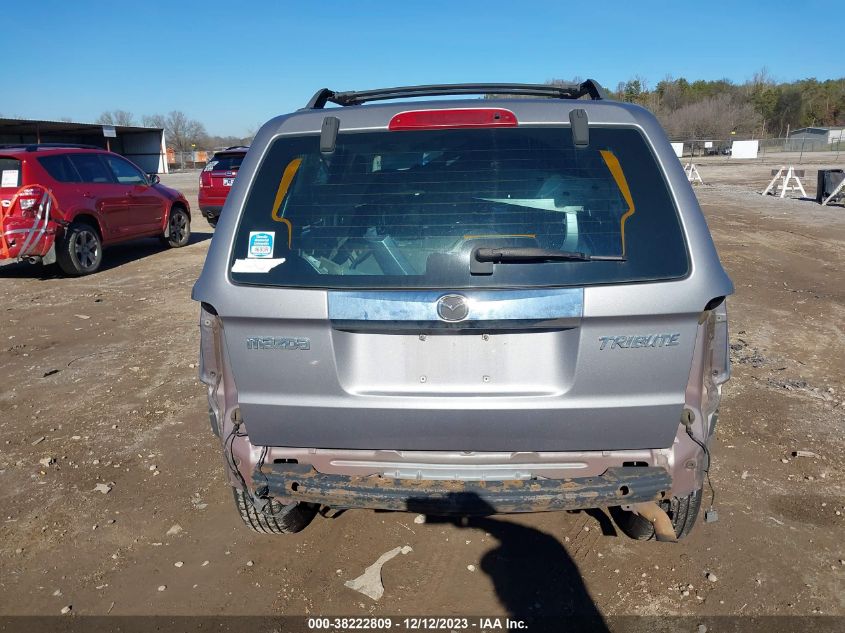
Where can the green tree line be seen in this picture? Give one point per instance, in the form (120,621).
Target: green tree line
(760,107)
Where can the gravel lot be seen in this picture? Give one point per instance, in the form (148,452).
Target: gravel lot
(98,374)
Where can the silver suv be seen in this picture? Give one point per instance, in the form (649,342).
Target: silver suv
(464,306)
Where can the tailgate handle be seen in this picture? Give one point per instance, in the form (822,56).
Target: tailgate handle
(509,309)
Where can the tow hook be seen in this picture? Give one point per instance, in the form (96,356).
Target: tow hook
(654,514)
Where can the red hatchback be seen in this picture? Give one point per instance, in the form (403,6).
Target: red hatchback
(217,179)
(66,203)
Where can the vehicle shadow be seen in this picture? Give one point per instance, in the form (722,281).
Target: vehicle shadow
(534,576)
(113,257)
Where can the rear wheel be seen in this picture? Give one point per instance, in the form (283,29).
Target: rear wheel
(79,251)
(179,228)
(276,518)
(681,510)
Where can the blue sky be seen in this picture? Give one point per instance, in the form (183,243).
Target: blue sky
(233,65)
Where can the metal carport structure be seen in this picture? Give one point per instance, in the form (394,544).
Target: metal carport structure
(142,145)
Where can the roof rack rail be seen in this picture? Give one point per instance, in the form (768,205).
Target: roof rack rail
(226,149)
(589,88)
(34,147)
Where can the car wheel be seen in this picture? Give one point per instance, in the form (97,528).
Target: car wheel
(212,221)
(179,228)
(681,510)
(79,251)
(277,518)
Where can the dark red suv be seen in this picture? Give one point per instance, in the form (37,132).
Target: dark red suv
(217,179)
(65,203)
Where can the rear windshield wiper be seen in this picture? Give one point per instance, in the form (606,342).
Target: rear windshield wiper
(531,254)
(482,259)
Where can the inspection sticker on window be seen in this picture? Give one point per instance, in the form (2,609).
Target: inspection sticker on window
(9,178)
(261,244)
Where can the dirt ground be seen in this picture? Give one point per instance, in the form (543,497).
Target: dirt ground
(99,374)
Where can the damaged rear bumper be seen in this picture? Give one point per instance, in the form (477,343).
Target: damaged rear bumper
(31,236)
(23,238)
(289,483)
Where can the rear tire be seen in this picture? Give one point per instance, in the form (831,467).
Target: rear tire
(179,228)
(278,518)
(212,221)
(79,251)
(681,510)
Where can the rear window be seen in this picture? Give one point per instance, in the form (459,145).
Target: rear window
(59,168)
(10,173)
(406,210)
(225,162)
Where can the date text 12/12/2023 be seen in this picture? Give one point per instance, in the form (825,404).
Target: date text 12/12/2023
(481,624)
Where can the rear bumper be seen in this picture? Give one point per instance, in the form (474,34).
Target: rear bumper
(289,483)
(24,237)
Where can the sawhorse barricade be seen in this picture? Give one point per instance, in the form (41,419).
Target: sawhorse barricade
(782,181)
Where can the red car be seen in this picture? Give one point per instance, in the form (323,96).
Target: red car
(217,179)
(65,203)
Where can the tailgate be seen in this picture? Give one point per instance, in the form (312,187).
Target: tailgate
(223,169)
(223,180)
(525,372)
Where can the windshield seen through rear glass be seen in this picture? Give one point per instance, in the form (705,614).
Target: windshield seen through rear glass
(409,209)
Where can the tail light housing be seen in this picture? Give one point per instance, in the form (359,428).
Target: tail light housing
(28,201)
(205,177)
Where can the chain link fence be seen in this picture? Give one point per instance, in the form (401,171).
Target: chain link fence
(798,149)
(196,159)
(693,148)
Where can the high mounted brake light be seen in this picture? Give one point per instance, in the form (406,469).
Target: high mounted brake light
(452,118)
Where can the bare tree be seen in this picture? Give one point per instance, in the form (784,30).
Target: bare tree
(117,117)
(153,120)
(181,132)
(251,132)
(577,79)
(712,118)
(762,78)
(213,142)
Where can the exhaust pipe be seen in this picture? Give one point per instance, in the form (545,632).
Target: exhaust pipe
(654,514)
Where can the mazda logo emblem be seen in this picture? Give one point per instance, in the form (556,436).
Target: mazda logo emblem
(452,308)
